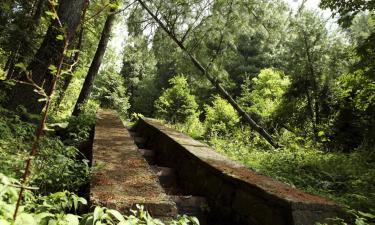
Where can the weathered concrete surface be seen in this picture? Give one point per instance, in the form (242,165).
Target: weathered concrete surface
(124,178)
(235,194)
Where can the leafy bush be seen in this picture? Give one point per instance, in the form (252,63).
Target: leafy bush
(55,168)
(354,122)
(267,90)
(345,178)
(176,104)
(110,91)
(221,117)
(78,129)
(103,215)
(193,127)
(61,208)
(35,210)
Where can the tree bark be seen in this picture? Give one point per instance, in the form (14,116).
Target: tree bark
(69,14)
(214,82)
(312,99)
(9,66)
(74,60)
(95,64)
(25,47)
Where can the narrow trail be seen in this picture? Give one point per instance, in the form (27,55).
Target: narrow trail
(124,177)
(170,173)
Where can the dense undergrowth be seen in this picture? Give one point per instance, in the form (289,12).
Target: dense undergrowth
(346,178)
(58,175)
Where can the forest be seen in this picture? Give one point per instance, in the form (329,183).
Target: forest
(278,86)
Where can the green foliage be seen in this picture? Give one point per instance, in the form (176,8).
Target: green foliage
(345,178)
(193,127)
(353,124)
(360,218)
(265,95)
(56,166)
(139,216)
(347,9)
(139,71)
(176,104)
(51,209)
(221,118)
(61,208)
(110,91)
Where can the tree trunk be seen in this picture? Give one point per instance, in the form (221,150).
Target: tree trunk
(95,64)
(312,99)
(8,69)
(38,12)
(214,82)
(25,47)
(69,14)
(74,60)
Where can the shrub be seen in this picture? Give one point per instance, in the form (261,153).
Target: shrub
(354,122)
(110,91)
(176,104)
(56,166)
(221,117)
(35,210)
(193,127)
(266,92)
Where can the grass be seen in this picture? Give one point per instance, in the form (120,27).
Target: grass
(345,178)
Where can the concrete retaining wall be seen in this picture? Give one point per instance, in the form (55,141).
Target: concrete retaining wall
(235,194)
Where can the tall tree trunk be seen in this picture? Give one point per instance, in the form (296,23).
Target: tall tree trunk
(74,60)
(312,99)
(214,82)
(312,115)
(25,47)
(38,12)
(95,64)
(9,65)
(69,14)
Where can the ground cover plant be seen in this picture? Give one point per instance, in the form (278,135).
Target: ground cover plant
(280,86)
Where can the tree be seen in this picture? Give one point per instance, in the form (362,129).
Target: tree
(176,104)
(109,89)
(19,32)
(221,117)
(169,27)
(139,71)
(353,123)
(73,60)
(95,64)
(347,9)
(263,94)
(314,60)
(69,14)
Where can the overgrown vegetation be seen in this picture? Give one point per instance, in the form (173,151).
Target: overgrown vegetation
(217,70)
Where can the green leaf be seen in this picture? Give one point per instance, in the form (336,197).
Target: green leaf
(98,213)
(21,66)
(51,14)
(4,222)
(61,125)
(366,215)
(321,133)
(59,37)
(52,69)
(71,219)
(39,217)
(116,214)
(83,201)
(25,219)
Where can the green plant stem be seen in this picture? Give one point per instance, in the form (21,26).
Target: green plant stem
(39,132)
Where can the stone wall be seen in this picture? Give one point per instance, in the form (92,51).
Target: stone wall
(235,194)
